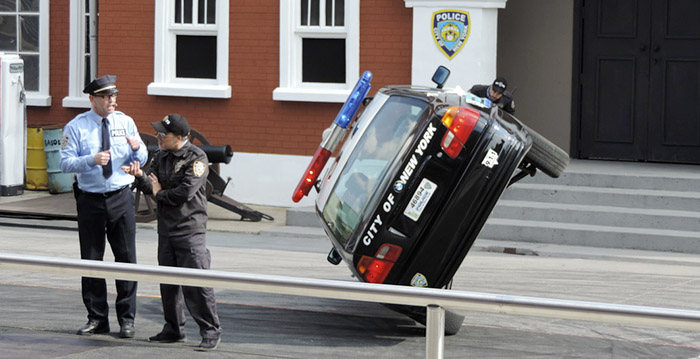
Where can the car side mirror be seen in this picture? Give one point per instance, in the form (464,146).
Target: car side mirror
(440,76)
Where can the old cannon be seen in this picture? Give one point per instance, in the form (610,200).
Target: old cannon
(145,204)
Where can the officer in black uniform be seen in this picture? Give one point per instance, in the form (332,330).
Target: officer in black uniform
(95,145)
(177,178)
(497,93)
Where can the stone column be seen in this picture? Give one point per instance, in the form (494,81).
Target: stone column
(460,35)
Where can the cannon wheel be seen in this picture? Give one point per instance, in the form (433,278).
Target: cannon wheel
(145,205)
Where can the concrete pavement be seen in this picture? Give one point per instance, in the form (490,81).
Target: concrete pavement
(41,311)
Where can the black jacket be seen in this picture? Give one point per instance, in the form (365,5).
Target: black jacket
(505,102)
(182,201)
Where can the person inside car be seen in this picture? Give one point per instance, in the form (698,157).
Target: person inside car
(496,92)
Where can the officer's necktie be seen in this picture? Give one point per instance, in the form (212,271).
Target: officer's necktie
(106,169)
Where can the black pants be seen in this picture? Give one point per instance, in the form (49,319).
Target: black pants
(112,216)
(188,251)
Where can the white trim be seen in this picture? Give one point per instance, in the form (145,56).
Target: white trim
(291,87)
(310,94)
(189,90)
(164,81)
(76,57)
(458,4)
(77,102)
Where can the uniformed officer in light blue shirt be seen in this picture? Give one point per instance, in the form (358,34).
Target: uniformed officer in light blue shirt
(95,145)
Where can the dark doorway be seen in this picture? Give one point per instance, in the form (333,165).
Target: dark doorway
(640,80)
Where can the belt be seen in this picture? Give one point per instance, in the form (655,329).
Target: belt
(106,194)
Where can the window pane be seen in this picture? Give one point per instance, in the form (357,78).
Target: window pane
(88,76)
(8,5)
(31,72)
(8,33)
(315,12)
(30,33)
(329,12)
(188,12)
(323,60)
(211,12)
(30,5)
(178,11)
(304,12)
(339,12)
(196,57)
(201,4)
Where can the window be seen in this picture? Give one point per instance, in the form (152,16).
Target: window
(82,51)
(319,50)
(24,30)
(191,49)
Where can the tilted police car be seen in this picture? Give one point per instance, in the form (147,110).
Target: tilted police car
(418,174)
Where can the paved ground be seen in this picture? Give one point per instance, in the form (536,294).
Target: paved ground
(41,311)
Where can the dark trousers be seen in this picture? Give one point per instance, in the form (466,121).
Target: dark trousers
(188,251)
(112,216)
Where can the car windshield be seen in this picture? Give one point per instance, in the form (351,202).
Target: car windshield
(365,171)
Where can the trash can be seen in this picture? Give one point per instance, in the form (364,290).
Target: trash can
(59,182)
(37,178)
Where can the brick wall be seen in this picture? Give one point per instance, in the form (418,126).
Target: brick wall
(250,121)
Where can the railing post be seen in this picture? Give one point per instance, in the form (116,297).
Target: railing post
(434,331)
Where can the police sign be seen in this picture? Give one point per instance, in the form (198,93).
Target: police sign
(450,30)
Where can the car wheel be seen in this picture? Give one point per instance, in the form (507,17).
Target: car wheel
(546,156)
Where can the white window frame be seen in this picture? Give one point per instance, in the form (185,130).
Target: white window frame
(76,57)
(41,97)
(292,33)
(164,81)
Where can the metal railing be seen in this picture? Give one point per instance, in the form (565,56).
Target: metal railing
(435,300)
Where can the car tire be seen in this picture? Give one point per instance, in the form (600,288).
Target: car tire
(545,155)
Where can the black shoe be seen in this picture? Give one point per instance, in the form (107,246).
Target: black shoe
(94,327)
(165,338)
(209,343)
(127,331)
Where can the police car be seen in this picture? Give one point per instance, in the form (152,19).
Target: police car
(418,174)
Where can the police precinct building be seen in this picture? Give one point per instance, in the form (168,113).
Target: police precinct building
(602,79)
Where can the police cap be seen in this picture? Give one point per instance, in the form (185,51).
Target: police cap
(102,85)
(499,85)
(175,123)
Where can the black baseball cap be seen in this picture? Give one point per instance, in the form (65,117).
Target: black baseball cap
(175,123)
(104,85)
(500,85)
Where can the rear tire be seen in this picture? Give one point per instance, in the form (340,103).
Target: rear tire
(545,155)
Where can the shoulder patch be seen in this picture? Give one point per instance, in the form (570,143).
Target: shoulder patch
(199,167)
(64,141)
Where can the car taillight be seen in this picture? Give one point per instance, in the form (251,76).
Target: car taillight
(460,122)
(375,269)
(338,129)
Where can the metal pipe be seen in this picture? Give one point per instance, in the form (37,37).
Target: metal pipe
(366,292)
(434,332)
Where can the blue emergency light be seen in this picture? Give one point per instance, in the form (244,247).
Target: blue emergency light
(352,104)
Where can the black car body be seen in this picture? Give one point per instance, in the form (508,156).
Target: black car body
(416,179)
(420,210)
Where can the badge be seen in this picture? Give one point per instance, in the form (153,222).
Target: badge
(64,142)
(419,280)
(450,30)
(120,132)
(198,168)
(178,165)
